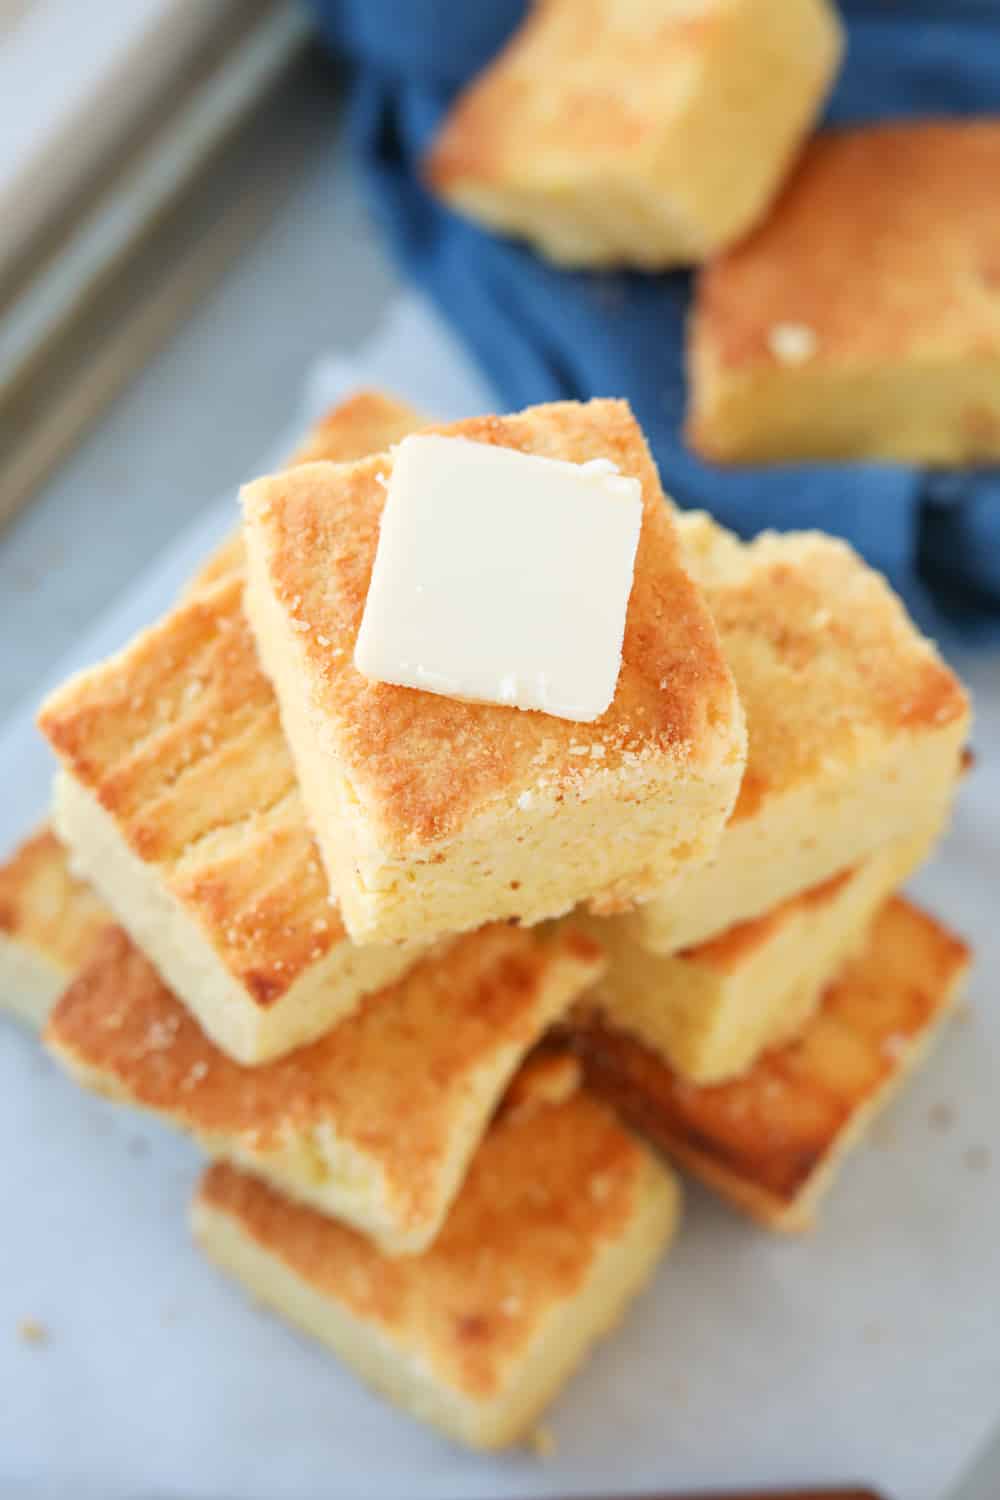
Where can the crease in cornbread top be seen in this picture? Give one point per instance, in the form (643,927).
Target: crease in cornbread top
(178,738)
(581,82)
(828,664)
(44,906)
(882,246)
(545,1193)
(423,766)
(398,1080)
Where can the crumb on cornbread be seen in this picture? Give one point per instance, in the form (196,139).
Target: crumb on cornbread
(375,1122)
(855,725)
(608,132)
(179,801)
(773,1140)
(712,1009)
(434,814)
(49,922)
(862,318)
(559,1224)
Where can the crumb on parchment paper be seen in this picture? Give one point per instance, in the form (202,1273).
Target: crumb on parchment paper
(31,1331)
(543,1442)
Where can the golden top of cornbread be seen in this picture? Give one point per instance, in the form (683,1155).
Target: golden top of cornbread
(826,659)
(393,1080)
(366,422)
(178,738)
(882,246)
(580,79)
(422,765)
(546,1191)
(730,950)
(775,1126)
(44,906)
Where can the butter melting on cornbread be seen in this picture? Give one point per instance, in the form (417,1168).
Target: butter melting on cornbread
(434,815)
(559,1223)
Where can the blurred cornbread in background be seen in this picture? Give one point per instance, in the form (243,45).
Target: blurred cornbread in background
(613,133)
(861,319)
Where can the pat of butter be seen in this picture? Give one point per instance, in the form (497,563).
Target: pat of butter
(501,577)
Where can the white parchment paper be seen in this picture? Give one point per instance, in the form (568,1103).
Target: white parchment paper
(870,1351)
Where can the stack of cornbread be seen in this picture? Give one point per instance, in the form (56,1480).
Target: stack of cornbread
(337,961)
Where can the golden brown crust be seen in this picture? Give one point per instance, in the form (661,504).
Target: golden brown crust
(763,1137)
(826,660)
(391,1080)
(545,1191)
(577,80)
(367,422)
(423,766)
(44,906)
(610,132)
(882,245)
(178,738)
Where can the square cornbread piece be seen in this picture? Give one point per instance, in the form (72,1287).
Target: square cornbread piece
(712,1009)
(433,814)
(608,132)
(773,1140)
(179,801)
(862,318)
(559,1224)
(855,725)
(49,923)
(376,1121)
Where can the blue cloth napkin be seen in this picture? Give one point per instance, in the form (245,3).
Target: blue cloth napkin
(542,333)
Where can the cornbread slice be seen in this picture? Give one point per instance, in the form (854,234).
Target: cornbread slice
(855,725)
(773,1140)
(433,815)
(179,801)
(49,923)
(862,318)
(647,134)
(711,1010)
(559,1224)
(376,1121)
